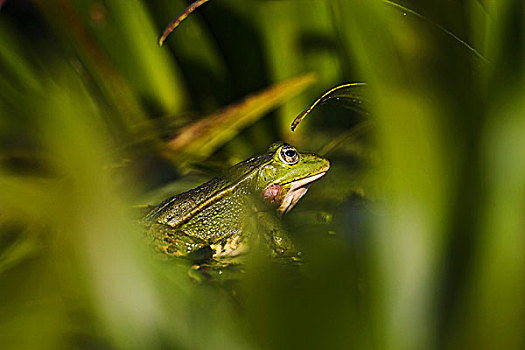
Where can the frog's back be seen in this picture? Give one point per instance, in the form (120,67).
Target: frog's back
(174,209)
(219,200)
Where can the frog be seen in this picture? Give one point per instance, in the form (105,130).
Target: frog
(218,218)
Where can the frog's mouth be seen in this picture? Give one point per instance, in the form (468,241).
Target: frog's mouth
(288,194)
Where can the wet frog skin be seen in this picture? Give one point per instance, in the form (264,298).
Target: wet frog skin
(215,217)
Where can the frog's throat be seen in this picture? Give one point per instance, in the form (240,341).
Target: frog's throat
(296,191)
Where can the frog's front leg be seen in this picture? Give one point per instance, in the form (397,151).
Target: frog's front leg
(282,244)
(174,242)
(276,237)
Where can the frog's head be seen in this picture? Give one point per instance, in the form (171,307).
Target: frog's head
(284,179)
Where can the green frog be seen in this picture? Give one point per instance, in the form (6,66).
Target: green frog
(217,218)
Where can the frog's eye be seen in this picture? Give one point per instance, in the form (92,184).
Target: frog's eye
(289,155)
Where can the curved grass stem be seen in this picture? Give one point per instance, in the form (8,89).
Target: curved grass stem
(181,17)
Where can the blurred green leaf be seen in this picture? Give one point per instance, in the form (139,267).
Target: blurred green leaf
(198,140)
(150,71)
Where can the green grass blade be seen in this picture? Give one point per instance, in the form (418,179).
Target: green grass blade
(440,27)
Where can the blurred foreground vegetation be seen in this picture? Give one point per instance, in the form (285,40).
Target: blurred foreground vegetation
(413,240)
